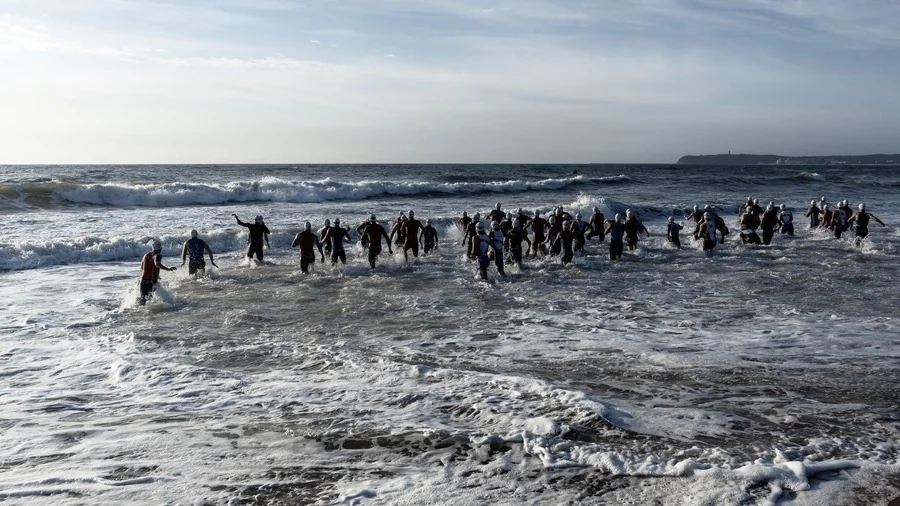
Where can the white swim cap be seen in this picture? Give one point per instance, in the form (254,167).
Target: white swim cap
(706,215)
(156,246)
(567,224)
(755,202)
(671,219)
(823,198)
(618,217)
(862,207)
(783,207)
(258,219)
(749,210)
(553,219)
(371,217)
(628,212)
(308,226)
(479,226)
(772,203)
(769,207)
(193,234)
(577,216)
(428,222)
(706,207)
(845,202)
(495,224)
(812,202)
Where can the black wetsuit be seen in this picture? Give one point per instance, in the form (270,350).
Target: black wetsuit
(564,239)
(336,237)
(258,231)
(768,222)
(514,239)
(616,234)
(672,234)
(429,239)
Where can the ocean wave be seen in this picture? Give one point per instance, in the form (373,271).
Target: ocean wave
(45,194)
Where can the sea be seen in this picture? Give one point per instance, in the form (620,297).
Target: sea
(755,375)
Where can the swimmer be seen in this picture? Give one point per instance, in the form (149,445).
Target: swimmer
(672,231)
(632,227)
(463,222)
(514,239)
(708,230)
(861,218)
(374,233)
(150,267)
(839,219)
(597,223)
(813,213)
(497,239)
(336,235)
(769,221)
(496,214)
(308,243)
(481,245)
(579,229)
(411,229)
(196,247)
(428,238)
(397,231)
(695,215)
(538,230)
(749,223)
(258,232)
(786,220)
(321,233)
(616,232)
(564,242)
(554,229)
(471,231)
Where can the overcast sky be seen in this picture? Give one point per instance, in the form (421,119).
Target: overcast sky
(332,81)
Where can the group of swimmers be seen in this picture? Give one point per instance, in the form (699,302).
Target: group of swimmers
(559,234)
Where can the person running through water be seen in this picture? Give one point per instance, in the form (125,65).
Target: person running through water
(749,223)
(708,230)
(308,243)
(786,220)
(768,222)
(471,231)
(579,229)
(410,230)
(321,233)
(151,264)
(463,222)
(839,219)
(564,242)
(672,232)
(616,232)
(481,246)
(597,224)
(496,253)
(514,239)
(374,233)
(746,205)
(813,213)
(397,237)
(552,232)
(196,247)
(259,232)
(336,235)
(632,227)
(861,218)
(429,238)
(496,214)
(827,213)
(538,226)
(695,215)
(521,216)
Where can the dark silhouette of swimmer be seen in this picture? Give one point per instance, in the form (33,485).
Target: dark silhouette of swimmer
(308,243)
(373,234)
(258,233)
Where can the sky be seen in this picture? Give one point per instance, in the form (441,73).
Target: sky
(444,81)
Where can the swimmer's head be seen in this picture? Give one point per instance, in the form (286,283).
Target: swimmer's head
(628,212)
(553,220)
(812,202)
(846,202)
(596,210)
(495,224)
(258,219)
(755,202)
(567,224)
(671,219)
(193,234)
(477,217)
(862,207)
(578,216)
(337,222)
(749,200)
(618,218)
(519,211)
(156,246)
(427,223)
(706,215)
(783,207)
(411,214)
(479,226)
(706,207)
(537,213)
(327,222)
(749,211)
(769,207)
(772,203)
(372,218)
(498,206)
(308,226)
(823,198)
(465,214)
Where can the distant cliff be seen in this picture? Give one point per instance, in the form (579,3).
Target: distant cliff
(744,159)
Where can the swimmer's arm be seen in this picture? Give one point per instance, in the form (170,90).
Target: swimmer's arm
(208,251)
(296,241)
(321,253)
(239,222)
(161,266)
(877,219)
(184,250)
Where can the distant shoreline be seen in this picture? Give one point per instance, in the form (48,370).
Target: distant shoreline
(748,159)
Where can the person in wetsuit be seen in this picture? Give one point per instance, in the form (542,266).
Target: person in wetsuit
(708,229)
(564,242)
(410,230)
(552,232)
(336,235)
(749,223)
(768,222)
(839,219)
(429,238)
(695,215)
(471,231)
(151,264)
(397,238)
(538,226)
(861,218)
(813,213)
(196,247)
(616,232)
(632,226)
(321,233)
(496,253)
(374,233)
(259,232)
(308,243)
(496,214)
(786,220)
(580,230)
(514,239)
(481,245)
(672,231)
(597,224)
(463,221)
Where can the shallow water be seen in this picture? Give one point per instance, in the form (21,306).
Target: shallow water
(758,375)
